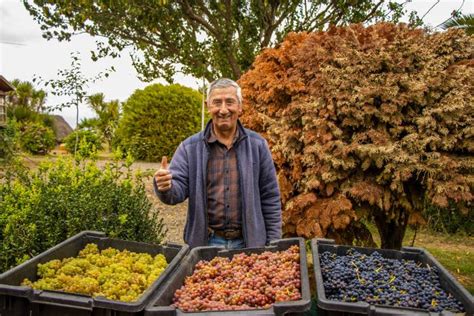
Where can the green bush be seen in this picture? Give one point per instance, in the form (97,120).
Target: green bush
(8,141)
(36,138)
(89,142)
(155,120)
(63,198)
(23,114)
(450,220)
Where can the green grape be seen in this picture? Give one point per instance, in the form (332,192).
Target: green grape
(116,275)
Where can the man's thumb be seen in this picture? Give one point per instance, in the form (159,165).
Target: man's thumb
(164,163)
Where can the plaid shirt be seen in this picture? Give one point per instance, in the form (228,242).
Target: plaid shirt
(224,207)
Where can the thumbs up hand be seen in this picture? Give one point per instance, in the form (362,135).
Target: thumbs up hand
(163,176)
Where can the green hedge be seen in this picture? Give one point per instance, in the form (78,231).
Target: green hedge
(155,120)
(62,198)
(450,220)
(88,142)
(36,138)
(8,141)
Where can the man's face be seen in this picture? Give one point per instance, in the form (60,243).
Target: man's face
(224,108)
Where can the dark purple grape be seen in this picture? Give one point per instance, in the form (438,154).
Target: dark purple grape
(376,280)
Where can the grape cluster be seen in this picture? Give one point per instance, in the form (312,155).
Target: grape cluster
(377,280)
(116,275)
(243,282)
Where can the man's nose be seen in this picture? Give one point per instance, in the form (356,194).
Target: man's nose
(223,110)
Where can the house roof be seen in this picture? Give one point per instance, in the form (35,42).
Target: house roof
(5,86)
(61,127)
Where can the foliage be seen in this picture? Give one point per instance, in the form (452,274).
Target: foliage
(366,122)
(8,141)
(156,119)
(36,138)
(89,142)
(26,96)
(203,38)
(26,103)
(63,198)
(450,220)
(108,114)
(461,21)
(73,84)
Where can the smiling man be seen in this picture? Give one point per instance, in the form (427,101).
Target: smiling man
(228,174)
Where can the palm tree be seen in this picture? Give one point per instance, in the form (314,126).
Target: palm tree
(462,21)
(25,95)
(108,115)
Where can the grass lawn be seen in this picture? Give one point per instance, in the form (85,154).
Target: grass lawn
(454,252)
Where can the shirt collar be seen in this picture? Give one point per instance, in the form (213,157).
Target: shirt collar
(212,138)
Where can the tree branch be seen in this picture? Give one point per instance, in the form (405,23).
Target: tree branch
(434,5)
(229,51)
(193,16)
(373,11)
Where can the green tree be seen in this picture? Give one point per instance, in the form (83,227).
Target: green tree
(202,38)
(26,103)
(156,119)
(107,119)
(73,84)
(27,96)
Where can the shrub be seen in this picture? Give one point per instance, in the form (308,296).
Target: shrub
(36,138)
(450,220)
(366,122)
(8,141)
(155,120)
(63,198)
(88,142)
(23,114)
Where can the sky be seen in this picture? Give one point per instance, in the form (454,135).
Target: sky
(24,54)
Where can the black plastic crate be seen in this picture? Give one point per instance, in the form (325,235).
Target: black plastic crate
(333,307)
(16,300)
(160,304)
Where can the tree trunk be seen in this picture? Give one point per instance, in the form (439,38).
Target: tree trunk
(391,231)
(356,233)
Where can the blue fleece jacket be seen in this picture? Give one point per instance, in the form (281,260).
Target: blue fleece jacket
(261,206)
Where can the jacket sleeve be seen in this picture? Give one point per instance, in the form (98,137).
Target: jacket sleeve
(180,179)
(269,194)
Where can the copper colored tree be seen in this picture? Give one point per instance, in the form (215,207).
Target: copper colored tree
(366,122)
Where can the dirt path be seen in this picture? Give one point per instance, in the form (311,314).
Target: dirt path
(174,216)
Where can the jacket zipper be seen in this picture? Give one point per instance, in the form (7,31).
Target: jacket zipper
(204,186)
(244,231)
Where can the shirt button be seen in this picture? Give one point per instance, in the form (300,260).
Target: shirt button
(227,188)
(227,205)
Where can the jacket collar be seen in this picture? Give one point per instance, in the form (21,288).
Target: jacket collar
(207,133)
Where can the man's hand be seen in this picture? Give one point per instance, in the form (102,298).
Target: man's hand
(163,176)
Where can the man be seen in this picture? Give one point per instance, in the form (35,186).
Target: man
(228,174)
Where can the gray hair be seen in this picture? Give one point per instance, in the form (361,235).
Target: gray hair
(225,83)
